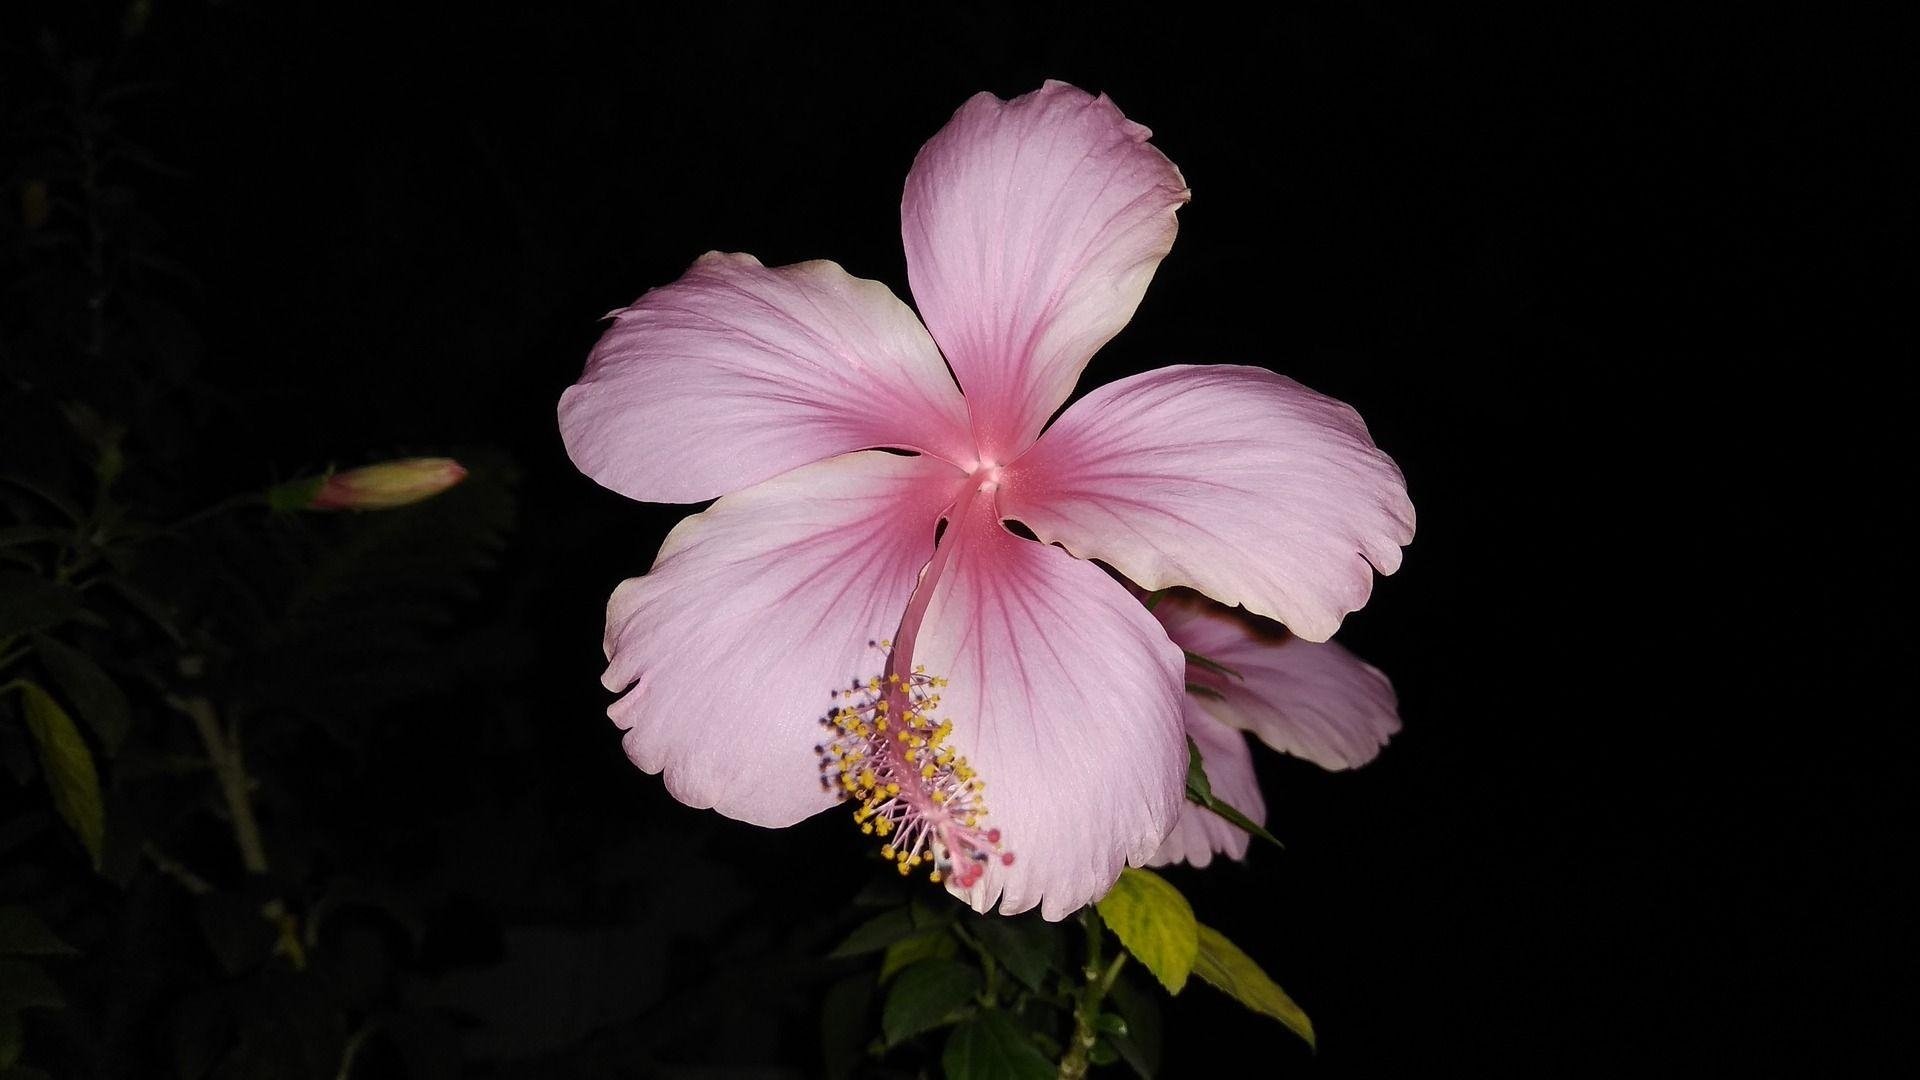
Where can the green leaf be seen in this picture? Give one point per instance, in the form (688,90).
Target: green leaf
(929,945)
(1221,963)
(47,495)
(30,602)
(9,1038)
(1200,790)
(14,535)
(843,1025)
(1226,810)
(925,996)
(1024,945)
(24,986)
(24,933)
(67,765)
(95,696)
(1140,1046)
(876,933)
(1155,923)
(990,1046)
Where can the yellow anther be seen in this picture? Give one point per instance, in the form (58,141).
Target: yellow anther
(934,876)
(886,851)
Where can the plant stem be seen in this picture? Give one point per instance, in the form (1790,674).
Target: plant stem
(223,750)
(1086,1011)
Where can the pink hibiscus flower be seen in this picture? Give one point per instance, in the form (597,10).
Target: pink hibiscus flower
(1032,227)
(1314,700)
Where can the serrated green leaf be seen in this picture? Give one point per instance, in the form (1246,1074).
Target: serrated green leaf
(29,602)
(24,933)
(95,696)
(1024,945)
(925,996)
(876,933)
(67,765)
(927,945)
(990,1046)
(1221,963)
(1155,923)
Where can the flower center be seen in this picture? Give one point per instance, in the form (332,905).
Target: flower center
(920,797)
(888,752)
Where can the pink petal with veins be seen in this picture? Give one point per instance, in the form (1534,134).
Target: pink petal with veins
(754,613)
(1234,481)
(1064,694)
(1310,699)
(1229,764)
(738,372)
(1032,227)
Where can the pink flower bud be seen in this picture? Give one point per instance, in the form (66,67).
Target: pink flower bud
(388,484)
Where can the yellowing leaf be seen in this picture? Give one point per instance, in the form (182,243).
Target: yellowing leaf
(1155,923)
(1221,963)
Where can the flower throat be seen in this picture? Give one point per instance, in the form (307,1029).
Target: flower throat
(890,753)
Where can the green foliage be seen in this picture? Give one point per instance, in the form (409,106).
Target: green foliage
(936,944)
(1024,944)
(95,696)
(925,996)
(1221,963)
(29,602)
(24,933)
(1140,1045)
(1155,923)
(67,766)
(877,933)
(990,1046)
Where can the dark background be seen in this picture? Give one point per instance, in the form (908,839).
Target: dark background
(1600,284)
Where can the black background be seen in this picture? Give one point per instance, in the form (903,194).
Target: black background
(1599,283)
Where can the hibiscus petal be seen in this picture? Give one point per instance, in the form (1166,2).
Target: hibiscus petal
(1313,700)
(1233,480)
(754,612)
(738,372)
(1032,227)
(1064,695)
(1229,764)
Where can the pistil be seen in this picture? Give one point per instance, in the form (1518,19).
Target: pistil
(889,752)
